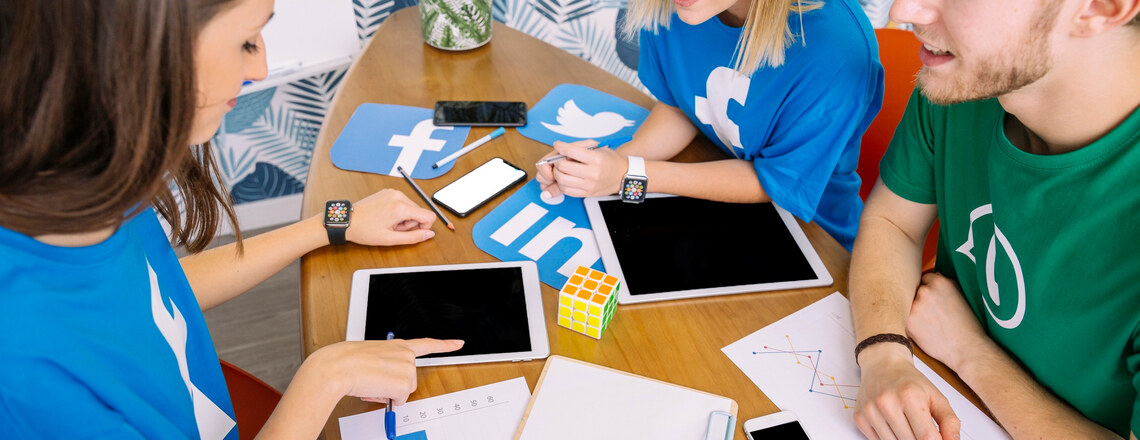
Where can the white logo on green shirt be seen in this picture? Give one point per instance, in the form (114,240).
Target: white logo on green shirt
(991,282)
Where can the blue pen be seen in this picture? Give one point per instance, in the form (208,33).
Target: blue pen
(389,414)
(618,141)
(494,134)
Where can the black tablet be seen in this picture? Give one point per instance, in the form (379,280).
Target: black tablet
(496,308)
(672,247)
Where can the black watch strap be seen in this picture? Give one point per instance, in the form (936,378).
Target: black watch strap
(338,214)
(336,235)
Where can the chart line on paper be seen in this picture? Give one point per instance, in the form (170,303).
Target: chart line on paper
(810,359)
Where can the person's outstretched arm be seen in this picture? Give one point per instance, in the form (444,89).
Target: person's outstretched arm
(895,400)
(373,370)
(385,218)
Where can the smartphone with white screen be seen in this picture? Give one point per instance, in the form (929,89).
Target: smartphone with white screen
(476,188)
(480,113)
(783,425)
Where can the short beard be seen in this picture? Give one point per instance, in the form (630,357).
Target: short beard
(1007,72)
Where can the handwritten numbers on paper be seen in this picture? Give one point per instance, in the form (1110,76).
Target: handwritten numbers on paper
(454,408)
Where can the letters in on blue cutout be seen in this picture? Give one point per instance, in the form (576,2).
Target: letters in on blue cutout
(554,233)
(380,137)
(570,112)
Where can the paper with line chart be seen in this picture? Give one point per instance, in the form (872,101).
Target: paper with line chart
(804,364)
(489,412)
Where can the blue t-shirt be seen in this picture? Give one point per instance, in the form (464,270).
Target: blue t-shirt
(800,123)
(105,341)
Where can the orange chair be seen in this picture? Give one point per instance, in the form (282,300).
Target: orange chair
(898,52)
(253,399)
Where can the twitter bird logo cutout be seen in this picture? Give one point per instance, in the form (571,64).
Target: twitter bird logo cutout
(570,112)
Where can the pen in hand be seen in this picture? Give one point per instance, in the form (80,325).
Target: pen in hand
(559,157)
(389,413)
(605,143)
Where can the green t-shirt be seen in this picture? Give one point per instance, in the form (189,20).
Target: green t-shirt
(1046,248)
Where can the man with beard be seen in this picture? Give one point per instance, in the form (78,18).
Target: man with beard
(1025,144)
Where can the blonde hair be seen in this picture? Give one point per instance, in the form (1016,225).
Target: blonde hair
(765,36)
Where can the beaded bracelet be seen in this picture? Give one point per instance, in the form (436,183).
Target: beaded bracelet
(882,337)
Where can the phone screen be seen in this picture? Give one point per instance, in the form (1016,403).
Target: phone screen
(787,431)
(497,113)
(480,185)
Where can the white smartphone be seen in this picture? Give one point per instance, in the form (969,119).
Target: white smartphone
(783,425)
(479,186)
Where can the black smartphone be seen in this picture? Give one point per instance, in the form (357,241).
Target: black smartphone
(476,188)
(480,113)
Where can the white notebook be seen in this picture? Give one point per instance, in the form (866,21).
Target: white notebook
(575,400)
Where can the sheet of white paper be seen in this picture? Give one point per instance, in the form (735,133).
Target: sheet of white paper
(804,364)
(581,401)
(489,412)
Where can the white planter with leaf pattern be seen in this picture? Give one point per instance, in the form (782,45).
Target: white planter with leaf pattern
(456,24)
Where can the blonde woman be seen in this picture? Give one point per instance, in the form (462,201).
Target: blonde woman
(786,88)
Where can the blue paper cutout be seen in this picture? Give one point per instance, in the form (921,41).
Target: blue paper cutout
(570,112)
(418,435)
(555,234)
(378,136)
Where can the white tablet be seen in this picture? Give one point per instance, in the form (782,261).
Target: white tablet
(672,247)
(496,308)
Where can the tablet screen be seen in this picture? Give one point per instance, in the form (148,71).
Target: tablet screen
(678,243)
(484,307)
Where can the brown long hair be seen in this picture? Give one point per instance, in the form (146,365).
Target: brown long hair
(97,102)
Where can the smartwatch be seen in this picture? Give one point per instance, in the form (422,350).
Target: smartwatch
(634,184)
(337,214)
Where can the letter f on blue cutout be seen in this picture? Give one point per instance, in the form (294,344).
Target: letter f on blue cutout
(554,233)
(380,137)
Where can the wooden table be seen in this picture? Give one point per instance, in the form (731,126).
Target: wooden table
(675,341)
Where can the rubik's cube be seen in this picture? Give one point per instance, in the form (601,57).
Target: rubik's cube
(587,301)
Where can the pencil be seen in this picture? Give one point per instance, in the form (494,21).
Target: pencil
(426,199)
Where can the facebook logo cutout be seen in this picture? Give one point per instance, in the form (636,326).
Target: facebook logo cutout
(380,137)
(554,233)
(570,112)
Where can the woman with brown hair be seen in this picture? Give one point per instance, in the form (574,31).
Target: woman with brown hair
(105,106)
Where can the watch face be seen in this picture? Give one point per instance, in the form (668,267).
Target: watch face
(633,189)
(336,212)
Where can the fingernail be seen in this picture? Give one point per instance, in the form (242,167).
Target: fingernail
(458,342)
(545,194)
(429,234)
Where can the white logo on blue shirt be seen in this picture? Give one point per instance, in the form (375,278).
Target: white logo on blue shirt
(991,255)
(213,423)
(723,85)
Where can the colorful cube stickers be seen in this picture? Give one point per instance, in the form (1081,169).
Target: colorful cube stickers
(587,301)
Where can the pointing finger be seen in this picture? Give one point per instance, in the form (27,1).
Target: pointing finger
(428,346)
